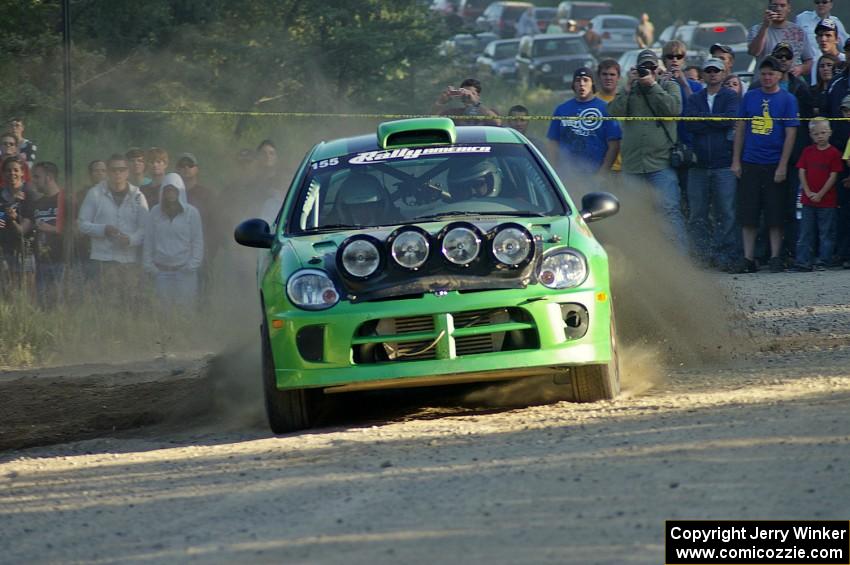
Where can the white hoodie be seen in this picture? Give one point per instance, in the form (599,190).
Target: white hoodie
(175,243)
(99,210)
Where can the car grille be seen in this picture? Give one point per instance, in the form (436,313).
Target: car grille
(416,338)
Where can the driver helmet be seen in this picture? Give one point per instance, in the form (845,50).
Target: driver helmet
(480,179)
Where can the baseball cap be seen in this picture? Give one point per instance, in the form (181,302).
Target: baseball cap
(713,63)
(772,62)
(783,47)
(845,102)
(187,157)
(720,47)
(647,56)
(582,72)
(826,24)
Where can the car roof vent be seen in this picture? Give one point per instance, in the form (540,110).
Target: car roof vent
(416,131)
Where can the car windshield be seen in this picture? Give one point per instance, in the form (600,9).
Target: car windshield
(418,184)
(512,13)
(545,13)
(705,37)
(506,50)
(619,23)
(564,46)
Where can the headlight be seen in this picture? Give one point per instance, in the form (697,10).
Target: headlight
(563,269)
(546,68)
(512,245)
(410,249)
(461,245)
(360,257)
(311,289)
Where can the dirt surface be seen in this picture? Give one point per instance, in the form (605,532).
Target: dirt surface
(442,476)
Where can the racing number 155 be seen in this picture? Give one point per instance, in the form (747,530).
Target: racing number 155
(325,163)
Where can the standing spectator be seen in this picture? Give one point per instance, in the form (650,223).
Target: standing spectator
(711,183)
(725,54)
(838,89)
(526,24)
(593,39)
(760,159)
(97,172)
(203,199)
(588,144)
(827,67)
(775,28)
(10,149)
(26,148)
(692,72)
(268,181)
(519,121)
(469,96)
(157,159)
(843,229)
(174,245)
(827,42)
(113,215)
(136,161)
(646,144)
(48,223)
(809,20)
(733,82)
(819,166)
(14,220)
(645,32)
(609,78)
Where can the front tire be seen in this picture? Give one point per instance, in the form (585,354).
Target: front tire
(592,383)
(287,410)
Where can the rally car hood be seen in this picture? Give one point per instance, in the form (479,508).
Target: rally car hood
(319,251)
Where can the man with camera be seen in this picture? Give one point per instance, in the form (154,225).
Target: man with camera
(469,97)
(648,145)
(775,28)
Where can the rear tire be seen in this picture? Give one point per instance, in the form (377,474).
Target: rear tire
(287,410)
(592,383)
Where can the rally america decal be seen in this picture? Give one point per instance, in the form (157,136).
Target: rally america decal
(415,153)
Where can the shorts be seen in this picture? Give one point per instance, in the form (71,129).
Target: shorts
(757,192)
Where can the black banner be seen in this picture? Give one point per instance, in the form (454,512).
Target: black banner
(757,542)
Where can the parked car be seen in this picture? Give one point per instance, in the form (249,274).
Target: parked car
(617,32)
(550,60)
(544,17)
(581,12)
(445,7)
(464,48)
(502,17)
(470,10)
(700,36)
(428,254)
(744,62)
(499,59)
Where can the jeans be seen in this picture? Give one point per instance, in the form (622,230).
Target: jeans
(48,282)
(842,227)
(712,192)
(176,288)
(820,223)
(668,199)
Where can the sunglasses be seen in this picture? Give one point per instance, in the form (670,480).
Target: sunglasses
(118,169)
(823,1)
(673,56)
(711,70)
(784,57)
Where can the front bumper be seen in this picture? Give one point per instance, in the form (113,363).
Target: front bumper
(339,330)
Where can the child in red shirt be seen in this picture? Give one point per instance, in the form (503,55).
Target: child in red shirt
(819,166)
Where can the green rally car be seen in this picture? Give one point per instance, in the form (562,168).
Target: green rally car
(430,254)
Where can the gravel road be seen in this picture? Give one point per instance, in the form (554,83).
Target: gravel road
(444,476)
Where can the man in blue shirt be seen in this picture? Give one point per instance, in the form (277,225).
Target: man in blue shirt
(760,157)
(584,144)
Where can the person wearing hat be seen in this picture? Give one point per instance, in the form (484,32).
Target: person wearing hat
(838,89)
(202,198)
(777,28)
(808,20)
(711,183)
(579,140)
(826,33)
(646,144)
(725,54)
(760,156)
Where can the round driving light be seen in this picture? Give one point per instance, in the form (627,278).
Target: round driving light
(546,68)
(564,269)
(360,258)
(410,249)
(461,246)
(312,289)
(512,246)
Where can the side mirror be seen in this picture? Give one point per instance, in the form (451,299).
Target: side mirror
(598,205)
(254,233)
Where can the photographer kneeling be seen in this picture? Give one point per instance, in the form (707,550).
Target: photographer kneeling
(648,145)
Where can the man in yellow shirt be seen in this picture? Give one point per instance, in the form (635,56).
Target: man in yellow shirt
(609,77)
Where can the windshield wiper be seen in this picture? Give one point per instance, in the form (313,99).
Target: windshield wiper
(450,214)
(328,227)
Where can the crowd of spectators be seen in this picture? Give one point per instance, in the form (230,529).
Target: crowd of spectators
(138,226)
